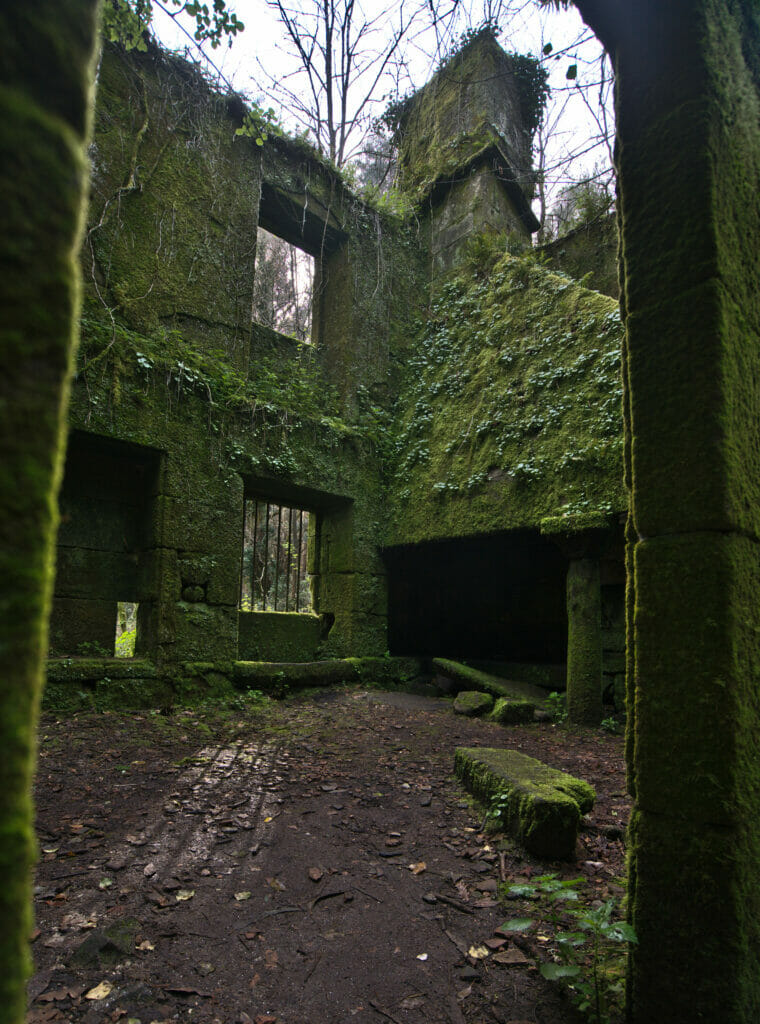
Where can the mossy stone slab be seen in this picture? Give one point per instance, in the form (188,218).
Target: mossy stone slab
(472,703)
(507,711)
(509,689)
(544,805)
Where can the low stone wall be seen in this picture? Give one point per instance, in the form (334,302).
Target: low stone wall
(278,636)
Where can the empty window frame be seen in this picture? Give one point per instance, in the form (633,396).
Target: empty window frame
(274,574)
(283,287)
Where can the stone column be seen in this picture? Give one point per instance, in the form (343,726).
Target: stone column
(688,117)
(584,642)
(46,53)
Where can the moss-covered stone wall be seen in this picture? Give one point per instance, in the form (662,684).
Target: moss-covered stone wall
(688,80)
(588,253)
(170,363)
(475,97)
(510,407)
(278,636)
(509,391)
(472,206)
(171,238)
(46,53)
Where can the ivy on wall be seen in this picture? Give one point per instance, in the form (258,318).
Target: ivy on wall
(511,405)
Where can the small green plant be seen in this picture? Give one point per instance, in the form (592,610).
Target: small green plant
(498,810)
(611,725)
(259,124)
(556,705)
(589,955)
(92,649)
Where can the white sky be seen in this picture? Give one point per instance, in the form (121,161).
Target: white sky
(259,60)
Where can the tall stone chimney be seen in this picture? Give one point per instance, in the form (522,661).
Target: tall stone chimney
(465,150)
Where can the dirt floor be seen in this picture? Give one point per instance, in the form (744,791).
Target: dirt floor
(302,862)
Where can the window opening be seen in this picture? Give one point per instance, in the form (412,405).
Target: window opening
(283,286)
(126,629)
(274,574)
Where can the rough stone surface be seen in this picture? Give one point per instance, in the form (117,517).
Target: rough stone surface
(472,703)
(507,689)
(544,806)
(509,711)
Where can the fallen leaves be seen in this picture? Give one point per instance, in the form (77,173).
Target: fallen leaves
(512,957)
(105,988)
(516,924)
(478,952)
(183,895)
(56,995)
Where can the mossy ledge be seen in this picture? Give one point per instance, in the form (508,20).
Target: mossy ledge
(543,805)
(473,678)
(274,676)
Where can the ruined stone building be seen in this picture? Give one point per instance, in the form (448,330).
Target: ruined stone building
(417,475)
(188,424)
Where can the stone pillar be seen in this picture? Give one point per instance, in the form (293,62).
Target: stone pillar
(688,106)
(46,53)
(584,642)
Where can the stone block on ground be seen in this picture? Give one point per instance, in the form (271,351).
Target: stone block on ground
(465,675)
(509,711)
(472,703)
(543,805)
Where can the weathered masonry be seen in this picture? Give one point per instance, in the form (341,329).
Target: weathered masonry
(185,411)
(453,417)
(688,134)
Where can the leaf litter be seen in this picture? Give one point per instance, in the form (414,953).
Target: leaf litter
(258,806)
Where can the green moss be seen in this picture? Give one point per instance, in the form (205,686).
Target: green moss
(589,255)
(543,805)
(153,253)
(118,684)
(696,701)
(277,677)
(510,409)
(508,711)
(81,671)
(395,673)
(477,97)
(472,703)
(44,121)
(278,636)
(711,894)
(497,686)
